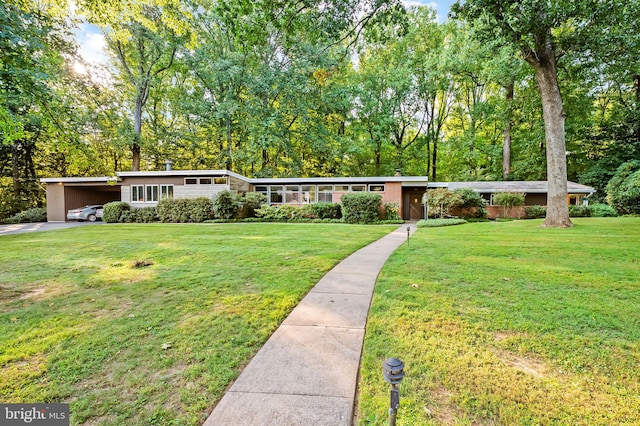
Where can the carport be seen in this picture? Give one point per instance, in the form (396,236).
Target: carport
(68,193)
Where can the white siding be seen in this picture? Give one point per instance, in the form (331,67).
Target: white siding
(194,191)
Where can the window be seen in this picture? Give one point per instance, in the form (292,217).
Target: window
(325,194)
(220,181)
(358,188)
(376,188)
(276,194)
(190,181)
(137,193)
(206,181)
(342,188)
(308,193)
(292,194)
(166,191)
(152,193)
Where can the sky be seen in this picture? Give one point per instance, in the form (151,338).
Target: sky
(92,43)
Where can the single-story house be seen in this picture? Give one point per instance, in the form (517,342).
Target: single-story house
(146,188)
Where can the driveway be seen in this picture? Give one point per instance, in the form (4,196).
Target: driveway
(20,228)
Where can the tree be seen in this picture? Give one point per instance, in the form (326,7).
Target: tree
(539,29)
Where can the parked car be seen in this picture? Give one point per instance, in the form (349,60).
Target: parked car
(90,213)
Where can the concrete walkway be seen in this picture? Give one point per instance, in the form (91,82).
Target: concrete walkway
(307,372)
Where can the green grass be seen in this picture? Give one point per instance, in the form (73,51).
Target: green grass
(148,324)
(509,323)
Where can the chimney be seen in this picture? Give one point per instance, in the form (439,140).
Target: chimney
(168,163)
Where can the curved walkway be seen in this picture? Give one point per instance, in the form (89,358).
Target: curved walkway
(307,372)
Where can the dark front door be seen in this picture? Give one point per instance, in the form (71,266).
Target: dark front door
(415,206)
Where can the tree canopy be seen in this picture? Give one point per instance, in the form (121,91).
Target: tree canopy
(501,90)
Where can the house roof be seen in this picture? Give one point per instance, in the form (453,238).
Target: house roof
(529,187)
(99,179)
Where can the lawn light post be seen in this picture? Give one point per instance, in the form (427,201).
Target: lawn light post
(393,372)
(408,234)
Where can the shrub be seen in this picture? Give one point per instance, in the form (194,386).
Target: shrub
(225,205)
(391,211)
(172,210)
(113,211)
(434,223)
(251,201)
(441,200)
(534,212)
(579,211)
(602,210)
(38,214)
(360,207)
(326,210)
(200,209)
(284,212)
(145,215)
(508,200)
(623,190)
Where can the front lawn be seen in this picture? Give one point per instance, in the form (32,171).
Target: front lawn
(148,324)
(509,323)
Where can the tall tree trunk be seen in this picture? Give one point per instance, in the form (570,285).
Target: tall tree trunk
(506,146)
(544,63)
(636,84)
(229,143)
(15,168)
(137,134)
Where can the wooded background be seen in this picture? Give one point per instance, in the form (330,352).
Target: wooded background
(277,88)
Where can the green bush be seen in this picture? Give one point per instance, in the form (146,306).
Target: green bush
(200,209)
(38,214)
(225,205)
(281,213)
(441,200)
(535,212)
(144,215)
(251,201)
(113,211)
(508,200)
(326,210)
(361,207)
(184,210)
(623,190)
(434,223)
(579,211)
(602,210)
(391,211)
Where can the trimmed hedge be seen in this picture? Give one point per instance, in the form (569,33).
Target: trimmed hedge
(113,212)
(361,207)
(436,223)
(183,210)
(579,211)
(535,212)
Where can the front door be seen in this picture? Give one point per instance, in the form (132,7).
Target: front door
(415,206)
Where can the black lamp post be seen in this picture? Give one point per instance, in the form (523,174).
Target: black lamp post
(393,372)
(408,234)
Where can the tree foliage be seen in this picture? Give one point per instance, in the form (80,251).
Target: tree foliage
(318,88)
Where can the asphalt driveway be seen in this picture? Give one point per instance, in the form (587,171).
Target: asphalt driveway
(20,228)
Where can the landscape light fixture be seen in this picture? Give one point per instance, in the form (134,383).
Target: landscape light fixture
(393,372)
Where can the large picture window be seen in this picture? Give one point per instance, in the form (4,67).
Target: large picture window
(292,194)
(308,193)
(276,194)
(325,193)
(152,193)
(137,193)
(166,191)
